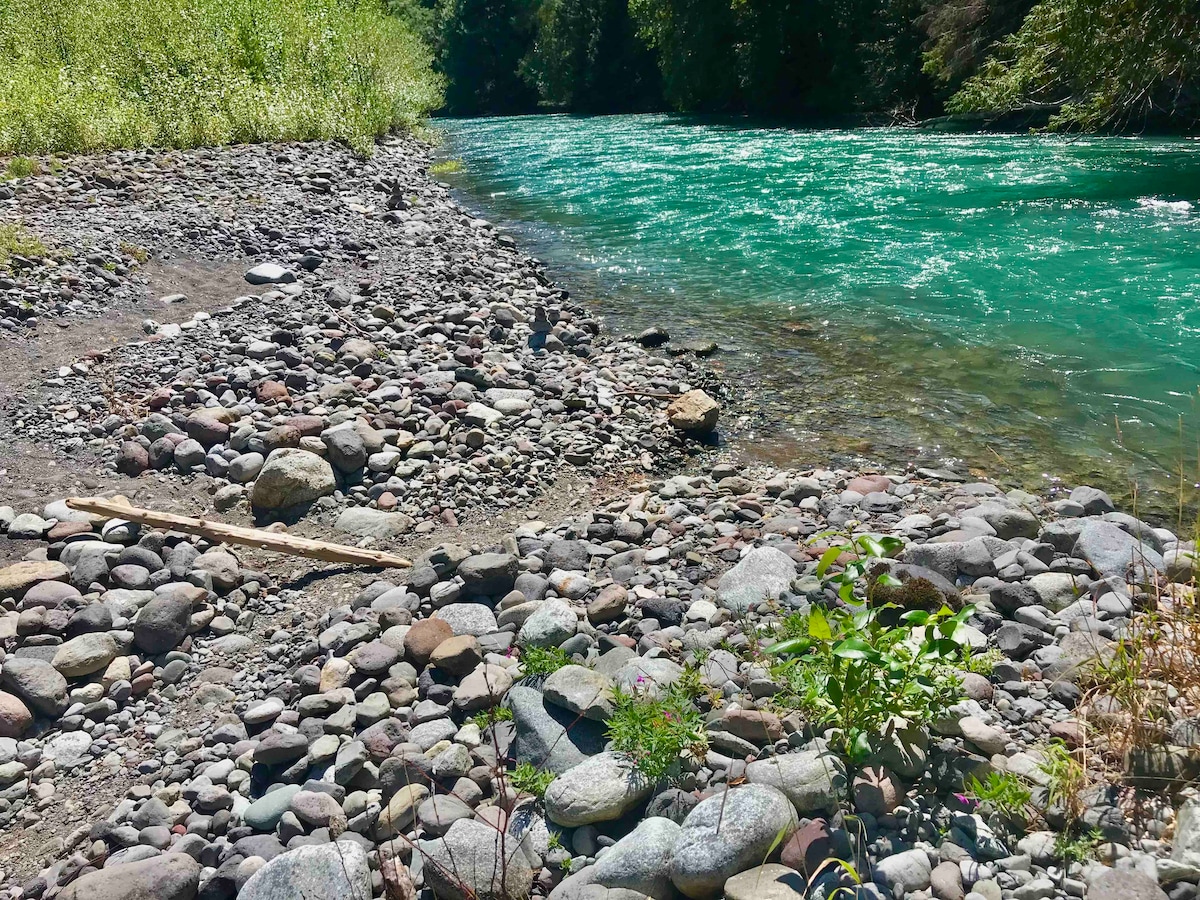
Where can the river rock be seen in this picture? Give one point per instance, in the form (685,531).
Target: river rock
(85,654)
(694,412)
(15,717)
(812,780)
(580,690)
(290,477)
(769,882)
(549,737)
(164,621)
(910,870)
(1114,552)
(475,861)
(599,789)
(727,834)
(762,574)
(16,579)
(36,683)
(641,860)
(488,574)
(321,870)
(171,876)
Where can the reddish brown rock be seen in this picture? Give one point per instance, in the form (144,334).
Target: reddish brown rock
(877,791)
(423,638)
(15,717)
(132,459)
(62,530)
(866,484)
(753,725)
(271,392)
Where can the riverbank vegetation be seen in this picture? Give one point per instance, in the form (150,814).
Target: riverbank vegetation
(90,74)
(1072,64)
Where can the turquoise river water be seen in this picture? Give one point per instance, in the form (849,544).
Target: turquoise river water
(1025,307)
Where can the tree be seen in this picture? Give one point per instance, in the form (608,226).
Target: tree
(1106,64)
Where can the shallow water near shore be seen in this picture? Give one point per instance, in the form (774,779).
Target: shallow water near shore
(1022,307)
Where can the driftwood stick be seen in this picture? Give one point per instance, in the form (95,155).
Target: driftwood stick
(651,394)
(236,534)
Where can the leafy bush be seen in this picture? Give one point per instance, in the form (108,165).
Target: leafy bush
(529,779)
(655,731)
(537,662)
(80,75)
(855,674)
(1004,792)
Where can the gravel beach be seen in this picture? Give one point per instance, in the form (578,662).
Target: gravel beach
(295,338)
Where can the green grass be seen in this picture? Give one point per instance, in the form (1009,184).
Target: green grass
(446,167)
(79,75)
(21,167)
(16,241)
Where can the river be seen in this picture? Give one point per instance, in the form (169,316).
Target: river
(1023,307)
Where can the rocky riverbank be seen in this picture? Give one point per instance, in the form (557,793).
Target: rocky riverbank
(578,689)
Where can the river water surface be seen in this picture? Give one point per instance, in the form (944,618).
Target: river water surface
(1025,307)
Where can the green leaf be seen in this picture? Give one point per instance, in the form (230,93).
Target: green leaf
(915,617)
(860,748)
(788,647)
(890,544)
(854,648)
(828,558)
(871,546)
(818,626)
(887,579)
(834,690)
(846,592)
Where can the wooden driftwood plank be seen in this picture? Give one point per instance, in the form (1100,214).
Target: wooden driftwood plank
(236,534)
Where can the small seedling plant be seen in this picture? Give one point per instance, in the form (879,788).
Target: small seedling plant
(851,671)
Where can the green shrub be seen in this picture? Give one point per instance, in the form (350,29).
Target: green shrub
(1004,792)
(446,167)
(655,731)
(21,167)
(529,779)
(855,674)
(538,662)
(79,75)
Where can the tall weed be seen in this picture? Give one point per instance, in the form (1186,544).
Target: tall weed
(79,75)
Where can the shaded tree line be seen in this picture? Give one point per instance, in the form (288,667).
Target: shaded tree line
(1087,64)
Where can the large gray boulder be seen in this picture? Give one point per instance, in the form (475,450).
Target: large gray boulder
(1115,552)
(553,622)
(85,654)
(641,860)
(811,779)
(764,573)
(726,834)
(163,622)
(600,789)
(474,861)
(1009,520)
(488,574)
(580,690)
(550,737)
(322,870)
(291,476)
(37,683)
(171,876)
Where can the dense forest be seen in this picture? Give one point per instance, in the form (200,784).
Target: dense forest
(1071,64)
